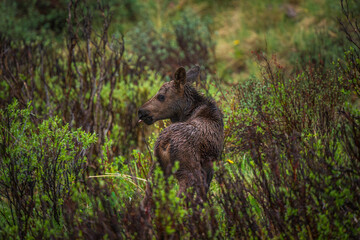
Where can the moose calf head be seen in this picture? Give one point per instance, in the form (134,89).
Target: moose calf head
(169,102)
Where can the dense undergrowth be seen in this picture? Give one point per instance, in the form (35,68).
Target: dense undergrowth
(74,160)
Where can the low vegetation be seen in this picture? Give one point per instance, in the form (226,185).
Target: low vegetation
(74,161)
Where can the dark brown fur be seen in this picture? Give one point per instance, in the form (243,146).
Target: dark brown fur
(195,137)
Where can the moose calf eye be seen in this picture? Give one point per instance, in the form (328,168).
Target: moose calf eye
(161,98)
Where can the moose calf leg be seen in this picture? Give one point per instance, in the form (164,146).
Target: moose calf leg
(182,187)
(195,180)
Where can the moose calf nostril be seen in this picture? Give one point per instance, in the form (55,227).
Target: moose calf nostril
(139,113)
(142,113)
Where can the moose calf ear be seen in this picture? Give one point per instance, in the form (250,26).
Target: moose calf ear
(180,76)
(193,74)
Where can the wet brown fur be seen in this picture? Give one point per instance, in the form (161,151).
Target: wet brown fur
(195,137)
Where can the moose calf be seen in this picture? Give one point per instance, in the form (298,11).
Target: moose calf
(195,137)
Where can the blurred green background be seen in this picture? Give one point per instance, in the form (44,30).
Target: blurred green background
(230,30)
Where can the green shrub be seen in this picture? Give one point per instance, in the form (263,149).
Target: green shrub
(294,135)
(39,166)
